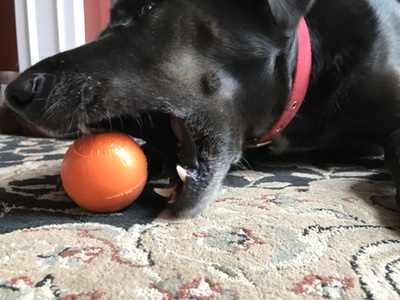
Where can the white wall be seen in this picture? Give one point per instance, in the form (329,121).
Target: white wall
(46,27)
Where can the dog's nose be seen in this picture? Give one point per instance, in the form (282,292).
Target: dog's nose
(24,89)
(25,95)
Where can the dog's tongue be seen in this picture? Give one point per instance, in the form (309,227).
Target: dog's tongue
(188,151)
(176,128)
(182,136)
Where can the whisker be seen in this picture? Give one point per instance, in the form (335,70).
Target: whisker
(244,164)
(69,125)
(109,120)
(139,121)
(86,115)
(150,119)
(122,122)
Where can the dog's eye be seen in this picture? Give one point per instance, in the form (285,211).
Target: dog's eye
(145,8)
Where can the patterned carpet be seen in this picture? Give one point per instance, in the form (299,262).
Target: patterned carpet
(278,230)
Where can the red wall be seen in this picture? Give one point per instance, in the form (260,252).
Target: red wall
(96,17)
(8,39)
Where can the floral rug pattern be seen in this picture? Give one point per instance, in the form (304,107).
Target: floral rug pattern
(278,230)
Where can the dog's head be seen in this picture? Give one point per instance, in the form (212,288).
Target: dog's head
(207,75)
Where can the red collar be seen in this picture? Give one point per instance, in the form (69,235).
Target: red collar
(300,85)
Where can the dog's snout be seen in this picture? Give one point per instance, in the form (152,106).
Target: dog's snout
(27,95)
(24,89)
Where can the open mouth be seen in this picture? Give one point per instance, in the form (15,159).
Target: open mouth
(187,160)
(173,141)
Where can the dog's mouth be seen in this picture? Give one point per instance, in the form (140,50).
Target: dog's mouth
(187,160)
(175,146)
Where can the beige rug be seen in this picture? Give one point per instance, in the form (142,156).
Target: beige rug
(278,231)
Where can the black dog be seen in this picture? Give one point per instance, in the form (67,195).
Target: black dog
(203,80)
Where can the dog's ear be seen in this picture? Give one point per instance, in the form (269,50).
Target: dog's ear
(287,13)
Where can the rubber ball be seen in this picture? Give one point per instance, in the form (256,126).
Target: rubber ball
(104,172)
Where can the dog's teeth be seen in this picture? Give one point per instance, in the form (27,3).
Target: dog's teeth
(181,173)
(166,193)
(85,130)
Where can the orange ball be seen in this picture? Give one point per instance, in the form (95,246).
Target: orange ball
(104,172)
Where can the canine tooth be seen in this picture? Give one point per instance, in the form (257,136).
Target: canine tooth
(166,193)
(181,173)
(82,127)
